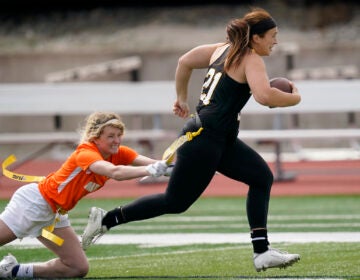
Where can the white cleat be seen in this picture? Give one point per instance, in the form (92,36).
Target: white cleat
(6,266)
(94,230)
(274,258)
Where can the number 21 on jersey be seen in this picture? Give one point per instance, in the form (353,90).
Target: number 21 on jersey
(211,80)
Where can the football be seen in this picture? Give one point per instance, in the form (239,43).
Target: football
(281,83)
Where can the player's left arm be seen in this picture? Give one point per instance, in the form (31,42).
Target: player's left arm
(141,160)
(126,172)
(258,80)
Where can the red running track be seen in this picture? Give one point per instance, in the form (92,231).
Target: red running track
(312,178)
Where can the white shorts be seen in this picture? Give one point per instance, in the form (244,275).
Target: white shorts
(27,213)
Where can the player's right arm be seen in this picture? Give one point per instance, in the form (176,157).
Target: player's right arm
(197,58)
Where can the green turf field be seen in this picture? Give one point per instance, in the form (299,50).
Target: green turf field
(223,261)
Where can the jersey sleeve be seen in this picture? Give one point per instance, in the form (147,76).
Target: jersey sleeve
(87,156)
(125,156)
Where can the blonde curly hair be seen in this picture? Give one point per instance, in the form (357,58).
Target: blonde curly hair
(96,122)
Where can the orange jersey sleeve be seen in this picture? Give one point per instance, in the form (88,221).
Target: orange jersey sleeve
(65,187)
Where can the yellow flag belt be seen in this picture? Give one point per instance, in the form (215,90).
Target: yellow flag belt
(16,176)
(46,231)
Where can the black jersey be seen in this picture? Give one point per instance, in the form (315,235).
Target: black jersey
(222,98)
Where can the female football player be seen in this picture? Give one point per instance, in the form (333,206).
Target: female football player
(236,72)
(40,209)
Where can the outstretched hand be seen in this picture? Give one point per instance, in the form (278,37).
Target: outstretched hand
(181,109)
(169,170)
(157,169)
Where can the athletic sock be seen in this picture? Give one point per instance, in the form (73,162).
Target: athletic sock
(15,270)
(113,218)
(23,271)
(260,241)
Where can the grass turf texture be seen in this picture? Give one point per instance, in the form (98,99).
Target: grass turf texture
(222,261)
(228,215)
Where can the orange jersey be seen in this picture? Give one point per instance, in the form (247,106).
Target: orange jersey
(65,187)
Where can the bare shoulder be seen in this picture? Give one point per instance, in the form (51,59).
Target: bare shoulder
(252,57)
(219,49)
(253,61)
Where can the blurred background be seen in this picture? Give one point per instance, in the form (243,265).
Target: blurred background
(41,40)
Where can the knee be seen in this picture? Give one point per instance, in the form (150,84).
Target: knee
(267,177)
(264,181)
(270,178)
(82,271)
(268,181)
(177,207)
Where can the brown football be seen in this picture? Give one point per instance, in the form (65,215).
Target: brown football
(281,83)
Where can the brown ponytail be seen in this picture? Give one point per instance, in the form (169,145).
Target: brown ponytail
(238,35)
(240,31)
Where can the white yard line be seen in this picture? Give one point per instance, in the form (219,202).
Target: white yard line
(211,238)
